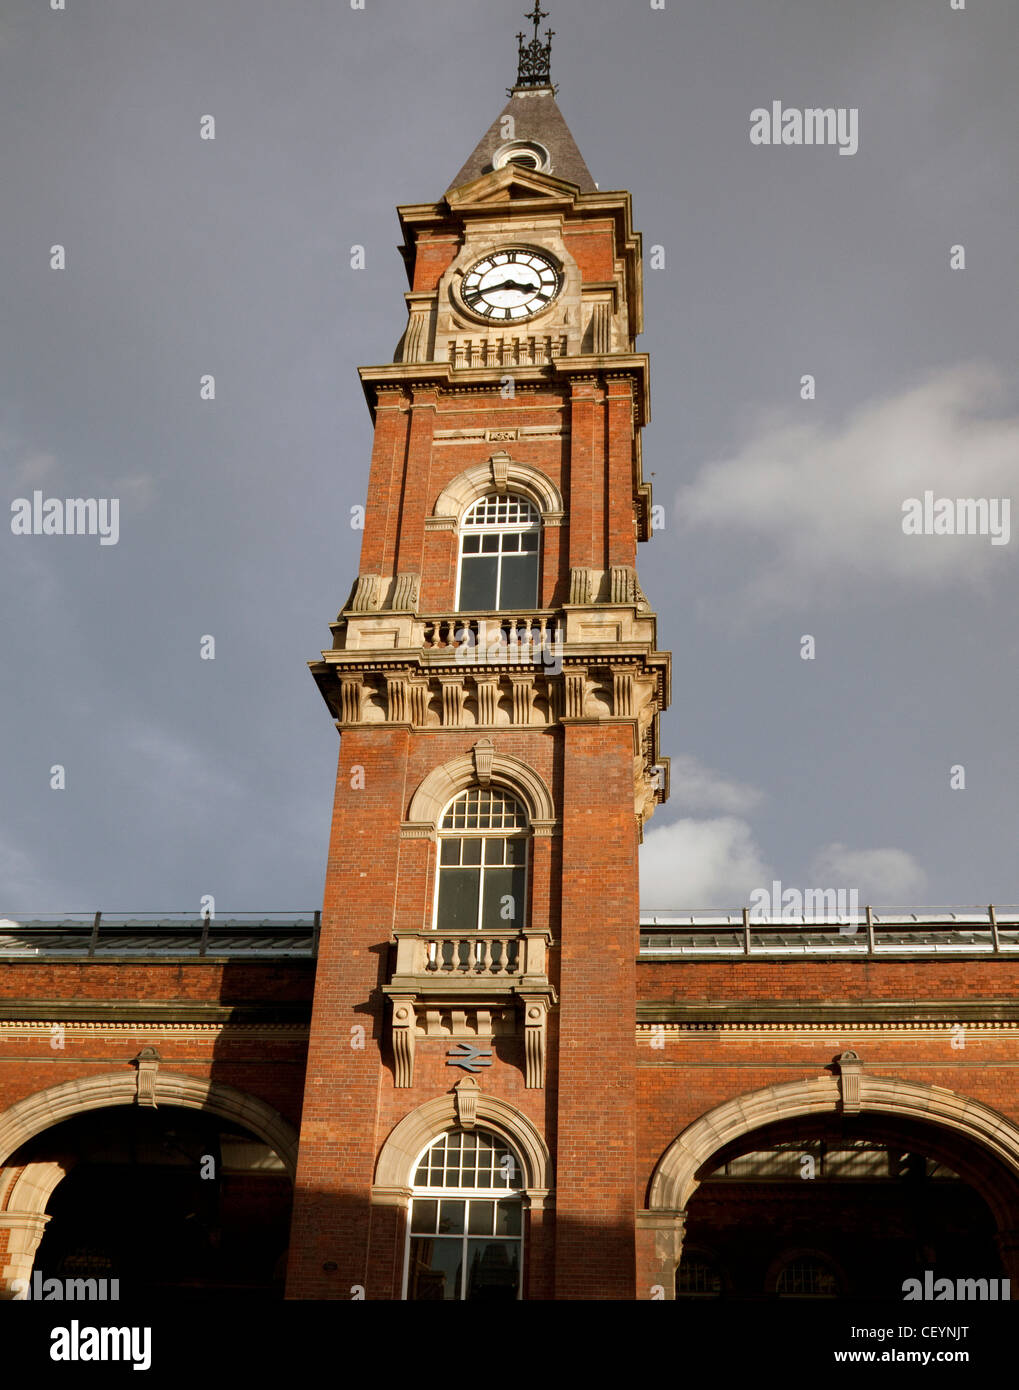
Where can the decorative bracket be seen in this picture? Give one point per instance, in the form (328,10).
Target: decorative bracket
(535,1014)
(366,597)
(500,462)
(848,1068)
(147,1064)
(484,753)
(405,593)
(403,1039)
(465,1098)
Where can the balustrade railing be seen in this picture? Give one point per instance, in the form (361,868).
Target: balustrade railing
(870,932)
(525,640)
(530,351)
(432,955)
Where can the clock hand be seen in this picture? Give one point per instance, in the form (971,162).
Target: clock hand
(509,285)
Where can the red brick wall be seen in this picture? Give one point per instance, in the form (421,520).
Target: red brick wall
(271,1068)
(596,1116)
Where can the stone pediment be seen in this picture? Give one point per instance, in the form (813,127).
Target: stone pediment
(512,184)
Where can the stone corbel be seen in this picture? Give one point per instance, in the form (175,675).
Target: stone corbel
(484,753)
(575,683)
(396,699)
(848,1067)
(581,585)
(366,596)
(535,1015)
(625,588)
(488,698)
(403,1039)
(405,593)
(622,692)
(146,1064)
(465,1099)
(522,687)
(351,695)
(418,695)
(500,462)
(452,688)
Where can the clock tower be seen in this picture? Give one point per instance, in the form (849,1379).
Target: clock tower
(469,1115)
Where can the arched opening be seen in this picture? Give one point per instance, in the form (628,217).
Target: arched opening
(172,1202)
(465,1228)
(833,1206)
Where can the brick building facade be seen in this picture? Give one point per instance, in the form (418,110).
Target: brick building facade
(479,1073)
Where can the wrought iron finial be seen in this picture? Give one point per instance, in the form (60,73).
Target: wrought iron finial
(534,58)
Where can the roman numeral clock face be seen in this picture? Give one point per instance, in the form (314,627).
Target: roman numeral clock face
(511,285)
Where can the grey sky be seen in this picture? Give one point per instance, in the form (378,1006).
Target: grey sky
(782,517)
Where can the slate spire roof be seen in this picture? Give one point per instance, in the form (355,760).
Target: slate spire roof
(535,120)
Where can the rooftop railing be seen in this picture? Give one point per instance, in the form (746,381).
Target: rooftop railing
(679,934)
(100,935)
(872,932)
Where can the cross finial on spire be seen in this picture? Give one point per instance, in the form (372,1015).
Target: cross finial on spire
(534,58)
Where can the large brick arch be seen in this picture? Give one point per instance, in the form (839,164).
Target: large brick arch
(29,1117)
(675,1181)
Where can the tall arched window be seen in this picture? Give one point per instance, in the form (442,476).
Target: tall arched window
(482,876)
(465,1232)
(499,545)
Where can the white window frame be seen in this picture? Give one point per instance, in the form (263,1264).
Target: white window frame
(465,1194)
(530,527)
(524,833)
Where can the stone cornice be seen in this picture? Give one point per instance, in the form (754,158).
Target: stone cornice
(103,1012)
(827,1013)
(444,377)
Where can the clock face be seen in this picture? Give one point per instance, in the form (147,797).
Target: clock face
(511,285)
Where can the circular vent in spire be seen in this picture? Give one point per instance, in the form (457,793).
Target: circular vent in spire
(528,154)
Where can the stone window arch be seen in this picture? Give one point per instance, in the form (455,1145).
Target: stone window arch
(500,474)
(464,1108)
(484,766)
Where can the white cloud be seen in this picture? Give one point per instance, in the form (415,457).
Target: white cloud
(827,502)
(718,863)
(700,863)
(695,787)
(886,877)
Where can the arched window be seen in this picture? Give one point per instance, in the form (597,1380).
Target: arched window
(808,1275)
(482,876)
(699,1276)
(499,545)
(465,1232)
